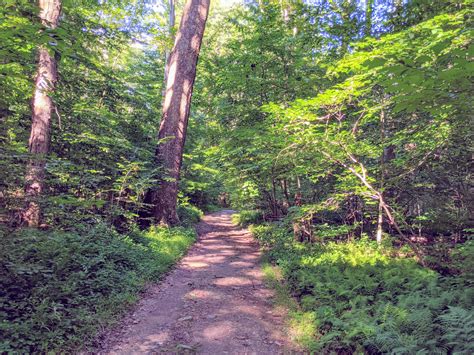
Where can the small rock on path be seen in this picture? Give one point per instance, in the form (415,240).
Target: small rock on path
(214,302)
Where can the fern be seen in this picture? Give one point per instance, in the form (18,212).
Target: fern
(366,301)
(458,324)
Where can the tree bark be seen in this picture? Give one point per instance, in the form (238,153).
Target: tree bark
(42,107)
(286,194)
(382,177)
(298,194)
(176,107)
(274,199)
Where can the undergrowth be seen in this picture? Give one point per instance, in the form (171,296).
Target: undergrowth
(359,297)
(189,214)
(247,217)
(58,289)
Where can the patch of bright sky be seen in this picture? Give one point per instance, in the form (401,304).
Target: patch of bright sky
(229,3)
(159,6)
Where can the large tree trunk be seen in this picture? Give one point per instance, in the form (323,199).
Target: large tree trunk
(42,106)
(150,198)
(176,107)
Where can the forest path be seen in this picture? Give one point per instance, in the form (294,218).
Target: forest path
(214,301)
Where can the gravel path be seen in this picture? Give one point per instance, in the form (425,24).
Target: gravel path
(213,302)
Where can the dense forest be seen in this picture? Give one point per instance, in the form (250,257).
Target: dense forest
(340,130)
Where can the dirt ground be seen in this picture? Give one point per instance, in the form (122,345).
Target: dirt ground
(213,302)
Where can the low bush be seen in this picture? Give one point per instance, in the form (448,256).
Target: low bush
(246,218)
(57,289)
(361,297)
(211,208)
(189,214)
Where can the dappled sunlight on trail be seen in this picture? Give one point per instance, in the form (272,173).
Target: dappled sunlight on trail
(213,302)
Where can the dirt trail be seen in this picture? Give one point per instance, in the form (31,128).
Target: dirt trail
(213,302)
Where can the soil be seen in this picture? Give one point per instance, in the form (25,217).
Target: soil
(214,301)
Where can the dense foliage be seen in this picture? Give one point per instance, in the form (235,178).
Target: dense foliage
(247,218)
(341,122)
(359,296)
(61,285)
(107,111)
(325,131)
(346,121)
(59,288)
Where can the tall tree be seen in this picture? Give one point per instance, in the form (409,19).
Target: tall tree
(176,107)
(42,107)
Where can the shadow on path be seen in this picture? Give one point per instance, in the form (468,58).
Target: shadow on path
(213,302)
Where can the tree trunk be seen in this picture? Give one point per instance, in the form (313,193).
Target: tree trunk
(298,194)
(42,106)
(378,236)
(274,200)
(379,233)
(176,107)
(286,194)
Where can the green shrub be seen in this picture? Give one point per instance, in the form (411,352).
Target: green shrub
(211,208)
(246,218)
(463,260)
(57,289)
(189,214)
(364,299)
